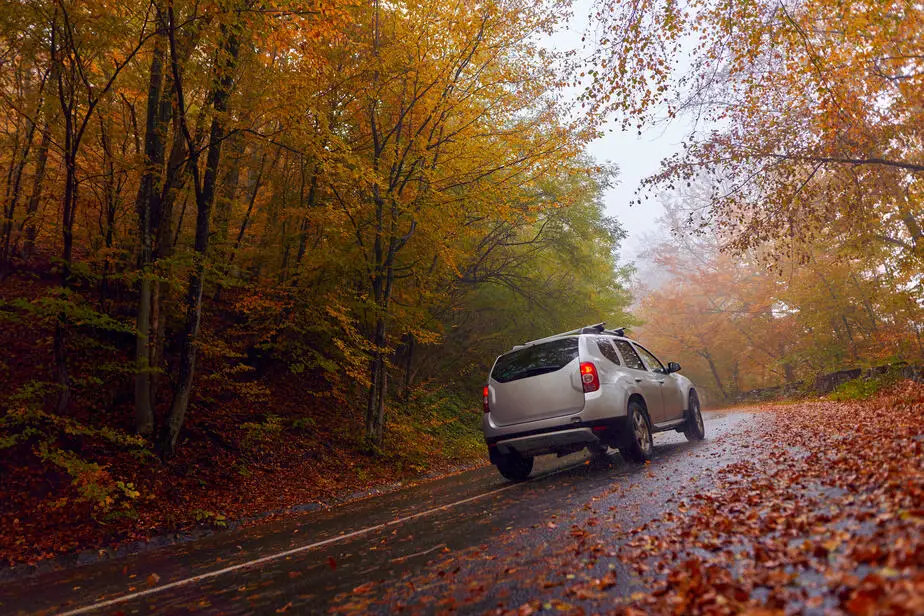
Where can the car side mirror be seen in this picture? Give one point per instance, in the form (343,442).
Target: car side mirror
(673,367)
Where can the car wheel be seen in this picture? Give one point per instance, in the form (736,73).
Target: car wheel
(514,467)
(637,446)
(694,429)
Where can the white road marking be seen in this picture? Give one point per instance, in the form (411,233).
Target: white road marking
(265,559)
(401,559)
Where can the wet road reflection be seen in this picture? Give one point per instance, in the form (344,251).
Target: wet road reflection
(304,563)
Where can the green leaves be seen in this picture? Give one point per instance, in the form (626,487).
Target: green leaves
(64,303)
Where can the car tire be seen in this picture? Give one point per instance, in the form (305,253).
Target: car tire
(637,445)
(514,467)
(694,428)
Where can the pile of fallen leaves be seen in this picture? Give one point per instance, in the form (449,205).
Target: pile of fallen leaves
(826,514)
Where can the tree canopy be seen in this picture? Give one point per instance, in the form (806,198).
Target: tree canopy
(807,110)
(339,190)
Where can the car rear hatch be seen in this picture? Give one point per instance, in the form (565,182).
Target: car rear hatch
(536,382)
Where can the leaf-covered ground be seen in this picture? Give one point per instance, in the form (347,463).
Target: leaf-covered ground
(244,456)
(828,514)
(184,500)
(255,445)
(225,478)
(214,490)
(823,514)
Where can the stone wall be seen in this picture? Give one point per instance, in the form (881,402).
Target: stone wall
(826,383)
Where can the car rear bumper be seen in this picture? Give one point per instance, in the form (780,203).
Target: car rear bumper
(548,442)
(559,439)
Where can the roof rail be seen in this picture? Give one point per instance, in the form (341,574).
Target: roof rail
(619,331)
(594,329)
(587,329)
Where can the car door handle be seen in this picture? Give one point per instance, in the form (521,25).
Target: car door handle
(661,382)
(638,380)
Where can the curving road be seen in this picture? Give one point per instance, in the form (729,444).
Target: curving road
(472,542)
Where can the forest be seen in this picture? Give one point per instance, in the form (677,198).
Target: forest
(275,245)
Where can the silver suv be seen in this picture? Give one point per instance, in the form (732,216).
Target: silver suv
(590,387)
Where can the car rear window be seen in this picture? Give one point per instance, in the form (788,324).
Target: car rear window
(535,360)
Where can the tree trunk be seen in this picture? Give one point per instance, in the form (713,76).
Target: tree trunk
(715,373)
(71,145)
(146,203)
(28,224)
(179,221)
(257,184)
(164,238)
(864,299)
(229,189)
(374,414)
(109,206)
(375,403)
(303,226)
(205,196)
(375,406)
(224,204)
(408,364)
(61,327)
(374,428)
(853,344)
(13,191)
(9,201)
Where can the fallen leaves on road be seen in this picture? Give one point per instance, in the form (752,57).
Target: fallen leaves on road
(826,512)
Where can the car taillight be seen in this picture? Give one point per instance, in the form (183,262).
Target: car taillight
(589,377)
(485,400)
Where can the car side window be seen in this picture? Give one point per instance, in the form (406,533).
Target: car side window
(608,351)
(629,355)
(650,359)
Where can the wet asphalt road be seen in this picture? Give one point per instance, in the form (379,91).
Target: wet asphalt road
(400,544)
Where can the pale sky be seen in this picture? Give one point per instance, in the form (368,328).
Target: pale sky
(637,156)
